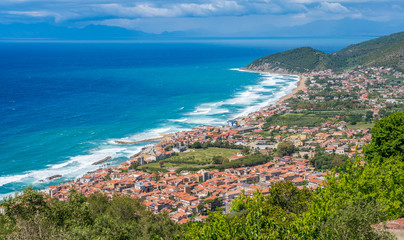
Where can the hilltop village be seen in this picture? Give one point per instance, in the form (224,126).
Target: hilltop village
(298,139)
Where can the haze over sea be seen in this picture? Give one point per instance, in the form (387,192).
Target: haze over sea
(62,105)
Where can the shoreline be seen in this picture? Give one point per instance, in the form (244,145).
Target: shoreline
(301,85)
(162,137)
(139,141)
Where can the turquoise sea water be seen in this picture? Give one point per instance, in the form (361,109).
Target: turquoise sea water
(62,105)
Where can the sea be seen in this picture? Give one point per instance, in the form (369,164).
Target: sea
(63,104)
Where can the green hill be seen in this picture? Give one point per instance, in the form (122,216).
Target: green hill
(383,51)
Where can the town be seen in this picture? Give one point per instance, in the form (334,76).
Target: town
(298,139)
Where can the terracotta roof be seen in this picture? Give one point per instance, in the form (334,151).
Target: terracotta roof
(397,224)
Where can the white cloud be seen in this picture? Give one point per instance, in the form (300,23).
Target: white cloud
(213,8)
(30,13)
(341,1)
(170,15)
(333,7)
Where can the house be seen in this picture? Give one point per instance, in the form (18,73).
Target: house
(330,149)
(85,179)
(187,200)
(52,190)
(251,179)
(288,176)
(232,194)
(205,175)
(298,180)
(340,151)
(139,186)
(179,149)
(322,136)
(298,143)
(235,157)
(140,160)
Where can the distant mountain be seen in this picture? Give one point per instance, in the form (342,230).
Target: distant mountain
(324,29)
(383,51)
(52,32)
(339,28)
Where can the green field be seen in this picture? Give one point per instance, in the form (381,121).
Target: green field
(194,158)
(315,118)
(361,125)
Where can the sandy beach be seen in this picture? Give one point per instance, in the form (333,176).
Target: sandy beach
(301,85)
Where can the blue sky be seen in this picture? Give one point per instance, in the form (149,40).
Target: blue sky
(213,17)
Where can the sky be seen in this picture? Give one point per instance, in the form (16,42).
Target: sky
(231,18)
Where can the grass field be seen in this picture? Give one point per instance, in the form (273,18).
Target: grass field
(361,125)
(193,158)
(316,118)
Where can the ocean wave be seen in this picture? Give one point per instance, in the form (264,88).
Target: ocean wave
(268,89)
(147,134)
(178,120)
(209,109)
(75,166)
(205,121)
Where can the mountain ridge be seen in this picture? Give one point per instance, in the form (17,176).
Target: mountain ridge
(382,51)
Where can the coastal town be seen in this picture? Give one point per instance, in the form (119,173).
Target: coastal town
(202,120)
(190,194)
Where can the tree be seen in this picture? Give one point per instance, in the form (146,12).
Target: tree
(218,159)
(196,145)
(252,218)
(352,222)
(245,150)
(354,118)
(27,204)
(369,115)
(134,165)
(285,148)
(287,196)
(325,161)
(30,216)
(387,138)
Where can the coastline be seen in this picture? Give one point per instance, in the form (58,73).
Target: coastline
(301,85)
(167,136)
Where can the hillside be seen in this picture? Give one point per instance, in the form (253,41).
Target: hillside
(383,51)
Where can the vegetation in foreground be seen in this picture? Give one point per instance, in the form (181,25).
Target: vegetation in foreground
(33,216)
(345,208)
